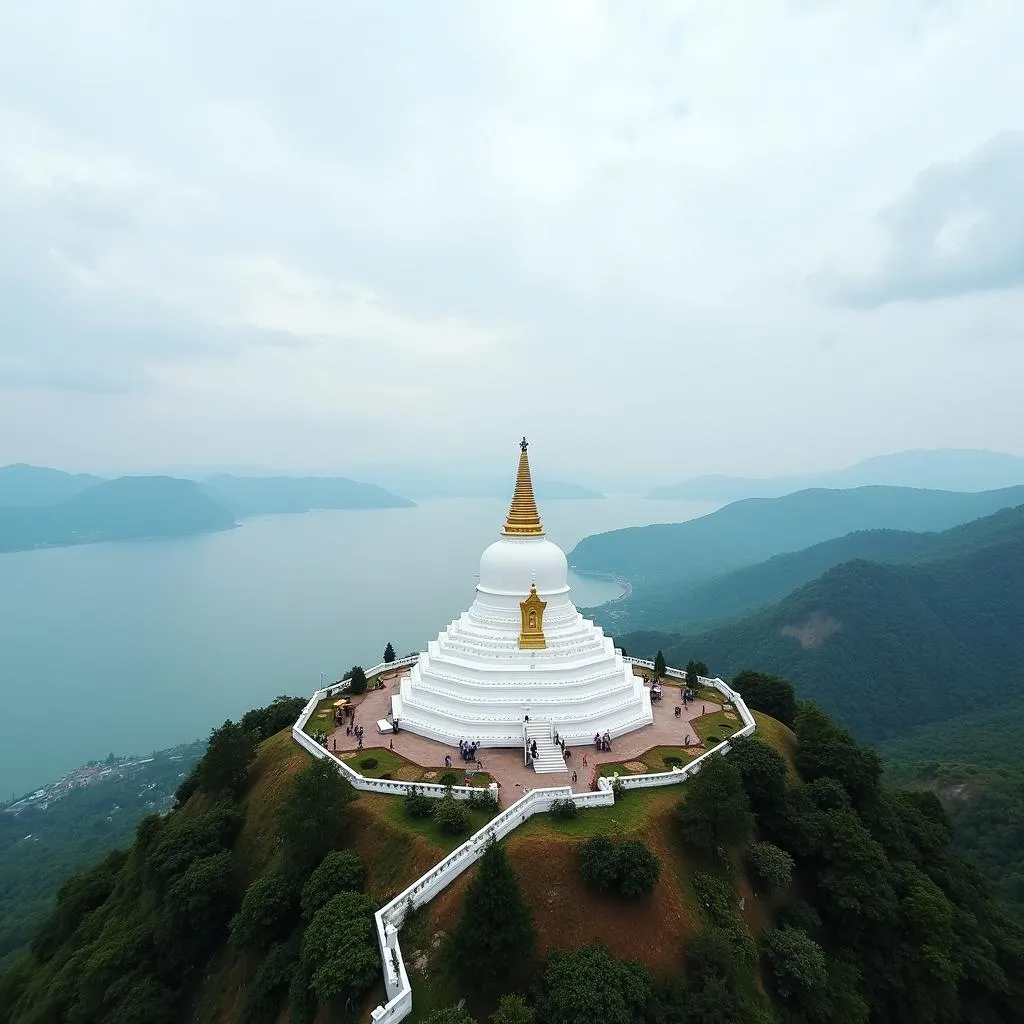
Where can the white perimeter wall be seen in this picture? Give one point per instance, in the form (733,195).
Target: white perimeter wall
(389,918)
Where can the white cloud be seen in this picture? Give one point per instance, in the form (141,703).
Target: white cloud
(486,211)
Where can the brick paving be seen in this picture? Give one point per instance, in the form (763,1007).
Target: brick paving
(505,765)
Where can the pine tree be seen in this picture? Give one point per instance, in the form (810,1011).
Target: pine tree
(495,934)
(692,675)
(659,664)
(389,654)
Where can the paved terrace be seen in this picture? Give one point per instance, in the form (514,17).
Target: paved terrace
(505,765)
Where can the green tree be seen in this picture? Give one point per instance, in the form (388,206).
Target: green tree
(768,694)
(310,820)
(770,868)
(495,934)
(599,863)
(357,679)
(389,654)
(796,962)
(339,871)
(265,993)
(585,985)
(692,675)
(224,767)
(715,813)
(702,669)
(638,869)
(659,664)
(513,1009)
(267,909)
(763,772)
(339,949)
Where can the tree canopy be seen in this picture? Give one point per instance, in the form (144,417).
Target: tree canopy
(495,933)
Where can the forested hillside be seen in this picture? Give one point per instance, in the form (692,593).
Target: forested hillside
(784,891)
(832,900)
(884,648)
(756,529)
(686,606)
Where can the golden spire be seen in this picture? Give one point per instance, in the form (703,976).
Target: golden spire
(523,519)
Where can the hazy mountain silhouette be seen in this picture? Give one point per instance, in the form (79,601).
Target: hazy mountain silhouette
(949,469)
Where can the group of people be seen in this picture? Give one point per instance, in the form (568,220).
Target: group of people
(357,731)
(467,750)
(602,743)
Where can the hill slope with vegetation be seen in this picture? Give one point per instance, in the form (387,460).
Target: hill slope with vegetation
(764,890)
(885,648)
(756,529)
(685,606)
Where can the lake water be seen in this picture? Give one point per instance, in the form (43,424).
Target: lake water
(135,646)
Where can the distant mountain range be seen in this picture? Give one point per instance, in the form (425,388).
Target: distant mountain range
(249,496)
(41,507)
(949,469)
(886,647)
(756,529)
(130,507)
(423,483)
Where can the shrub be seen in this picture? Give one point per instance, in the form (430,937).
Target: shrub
(417,805)
(564,809)
(368,762)
(672,760)
(265,993)
(339,871)
(449,779)
(599,863)
(386,775)
(770,867)
(269,903)
(451,816)
(638,870)
(713,741)
(483,800)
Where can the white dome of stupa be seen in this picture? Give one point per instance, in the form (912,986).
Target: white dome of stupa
(510,565)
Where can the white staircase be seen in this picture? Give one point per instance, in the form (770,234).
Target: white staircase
(549,754)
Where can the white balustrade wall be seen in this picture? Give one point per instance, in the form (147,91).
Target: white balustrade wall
(390,918)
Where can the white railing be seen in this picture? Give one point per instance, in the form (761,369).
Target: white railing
(392,787)
(390,918)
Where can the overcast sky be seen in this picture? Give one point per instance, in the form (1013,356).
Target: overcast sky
(668,238)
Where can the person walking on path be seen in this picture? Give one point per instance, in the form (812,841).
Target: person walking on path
(574,778)
(584,760)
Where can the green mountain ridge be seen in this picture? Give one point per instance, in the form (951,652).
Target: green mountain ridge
(684,606)
(755,529)
(883,648)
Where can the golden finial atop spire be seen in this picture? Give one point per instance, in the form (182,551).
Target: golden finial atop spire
(523,519)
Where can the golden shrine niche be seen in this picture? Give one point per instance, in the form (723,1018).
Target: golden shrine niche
(531,636)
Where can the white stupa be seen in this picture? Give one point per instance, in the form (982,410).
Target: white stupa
(521,650)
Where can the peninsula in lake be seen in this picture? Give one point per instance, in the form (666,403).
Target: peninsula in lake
(42,507)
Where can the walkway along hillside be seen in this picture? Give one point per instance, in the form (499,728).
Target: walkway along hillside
(389,918)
